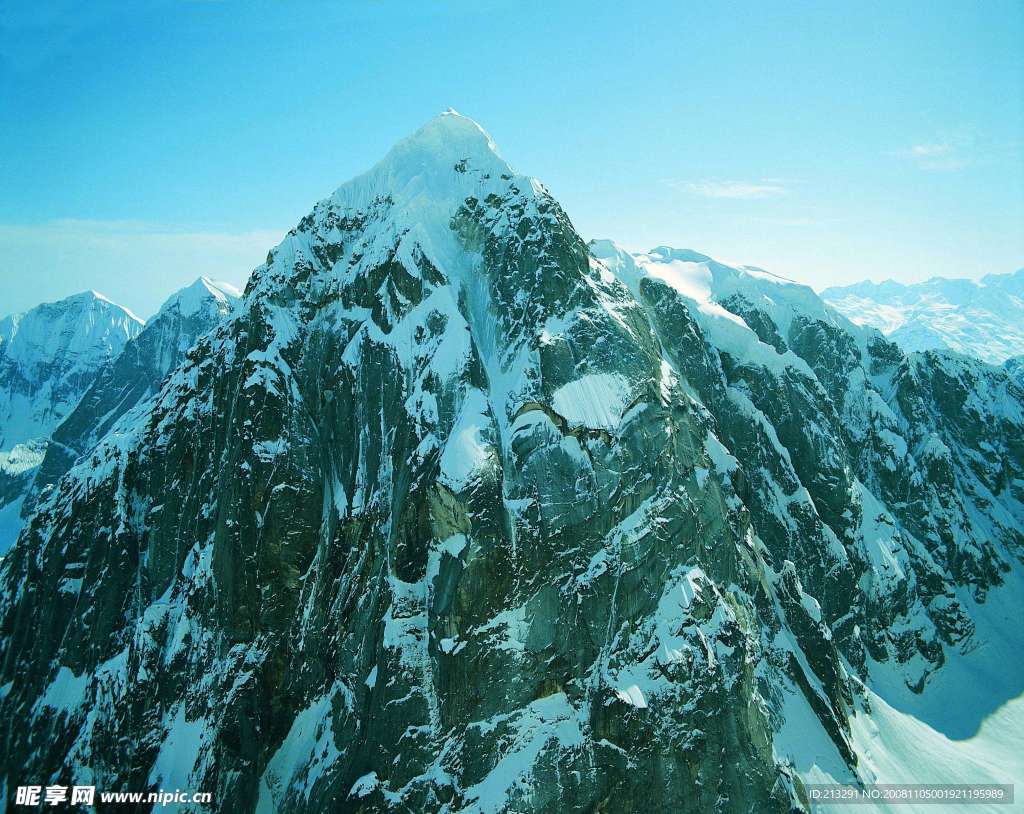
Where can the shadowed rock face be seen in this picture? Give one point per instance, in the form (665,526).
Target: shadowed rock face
(456,513)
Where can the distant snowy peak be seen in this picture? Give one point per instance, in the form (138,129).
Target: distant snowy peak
(720,292)
(984,319)
(202,295)
(49,356)
(86,323)
(115,388)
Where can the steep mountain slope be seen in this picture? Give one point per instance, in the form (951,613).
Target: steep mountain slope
(906,460)
(458,513)
(136,373)
(48,358)
(1015,367)
(984,319)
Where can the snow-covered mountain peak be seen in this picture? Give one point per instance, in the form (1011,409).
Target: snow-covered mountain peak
(93,298)
(107,393)
(83,323)
(204,293)
(429,202)
(448,135)
(447,160)
(49,356)
(728,302)
(705,280)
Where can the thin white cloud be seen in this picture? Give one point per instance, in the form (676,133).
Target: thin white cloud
(930,150)
(794,222)
(740,190)
(945,155)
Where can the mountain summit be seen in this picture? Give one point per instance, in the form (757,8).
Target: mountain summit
(455,512)
(48,358)
(439,165)
(134,375)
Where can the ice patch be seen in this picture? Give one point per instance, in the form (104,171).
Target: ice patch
(595,400)
(364,786)
(64,694)
(179,751)
(467,451)
(548,719)
(633,696)
(307,751)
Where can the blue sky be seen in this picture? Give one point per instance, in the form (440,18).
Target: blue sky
(145,143)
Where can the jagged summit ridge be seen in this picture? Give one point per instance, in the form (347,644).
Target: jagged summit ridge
(405,204)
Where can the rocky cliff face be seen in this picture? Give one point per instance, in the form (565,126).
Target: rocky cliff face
(48,358)
(458,513)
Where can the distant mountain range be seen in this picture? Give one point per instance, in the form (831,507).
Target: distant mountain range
(983,319)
